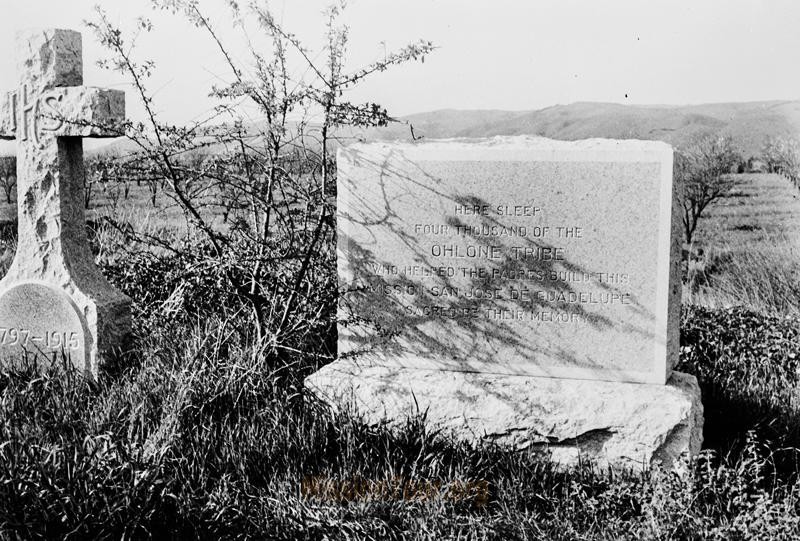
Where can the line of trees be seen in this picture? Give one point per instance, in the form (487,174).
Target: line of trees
(704,166)
(781,154)
(98,171)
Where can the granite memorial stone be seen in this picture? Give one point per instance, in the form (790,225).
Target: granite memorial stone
(501,283)
(54,302)
(512,257)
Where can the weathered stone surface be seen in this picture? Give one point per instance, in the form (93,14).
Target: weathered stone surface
(7,116)
(69,112)
(28,314)
(512,255)
(84,111)
(47,118)
(623,425)
(50,57)
(469,270)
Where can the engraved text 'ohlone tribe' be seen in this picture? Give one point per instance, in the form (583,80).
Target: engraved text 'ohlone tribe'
(509,256)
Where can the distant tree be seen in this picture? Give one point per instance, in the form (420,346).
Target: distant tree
(8,175)
(782,155)
(703,166)
(94,171)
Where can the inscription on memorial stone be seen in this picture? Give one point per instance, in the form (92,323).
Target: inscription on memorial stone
(514,255)
(42,321)
(54,301)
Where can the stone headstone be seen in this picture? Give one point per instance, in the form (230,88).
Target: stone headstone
(54,302)
(514,256)
(470,271)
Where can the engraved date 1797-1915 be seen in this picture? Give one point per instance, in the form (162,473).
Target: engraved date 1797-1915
(50,340)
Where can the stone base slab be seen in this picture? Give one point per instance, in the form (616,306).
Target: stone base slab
(620,425)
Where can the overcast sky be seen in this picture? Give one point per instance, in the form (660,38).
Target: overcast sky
(494,54)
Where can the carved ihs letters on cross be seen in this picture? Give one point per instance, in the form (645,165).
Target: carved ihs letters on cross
(48,113)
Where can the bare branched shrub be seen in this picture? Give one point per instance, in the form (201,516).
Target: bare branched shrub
(257,197)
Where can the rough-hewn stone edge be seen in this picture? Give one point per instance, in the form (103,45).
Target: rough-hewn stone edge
(7,130)
(690,429)
(65,48)
(114,333)
(90,112)
(77,111)
(518,142)
(663,438)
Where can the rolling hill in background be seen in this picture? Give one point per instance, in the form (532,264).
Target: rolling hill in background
(749,123)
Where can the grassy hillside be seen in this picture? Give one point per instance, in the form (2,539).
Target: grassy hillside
(746,249)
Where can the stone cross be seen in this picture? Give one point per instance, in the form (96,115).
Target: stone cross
(54,302)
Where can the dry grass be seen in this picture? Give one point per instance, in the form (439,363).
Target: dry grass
(207,433)
(748,249)
(764,276)
(200,439)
